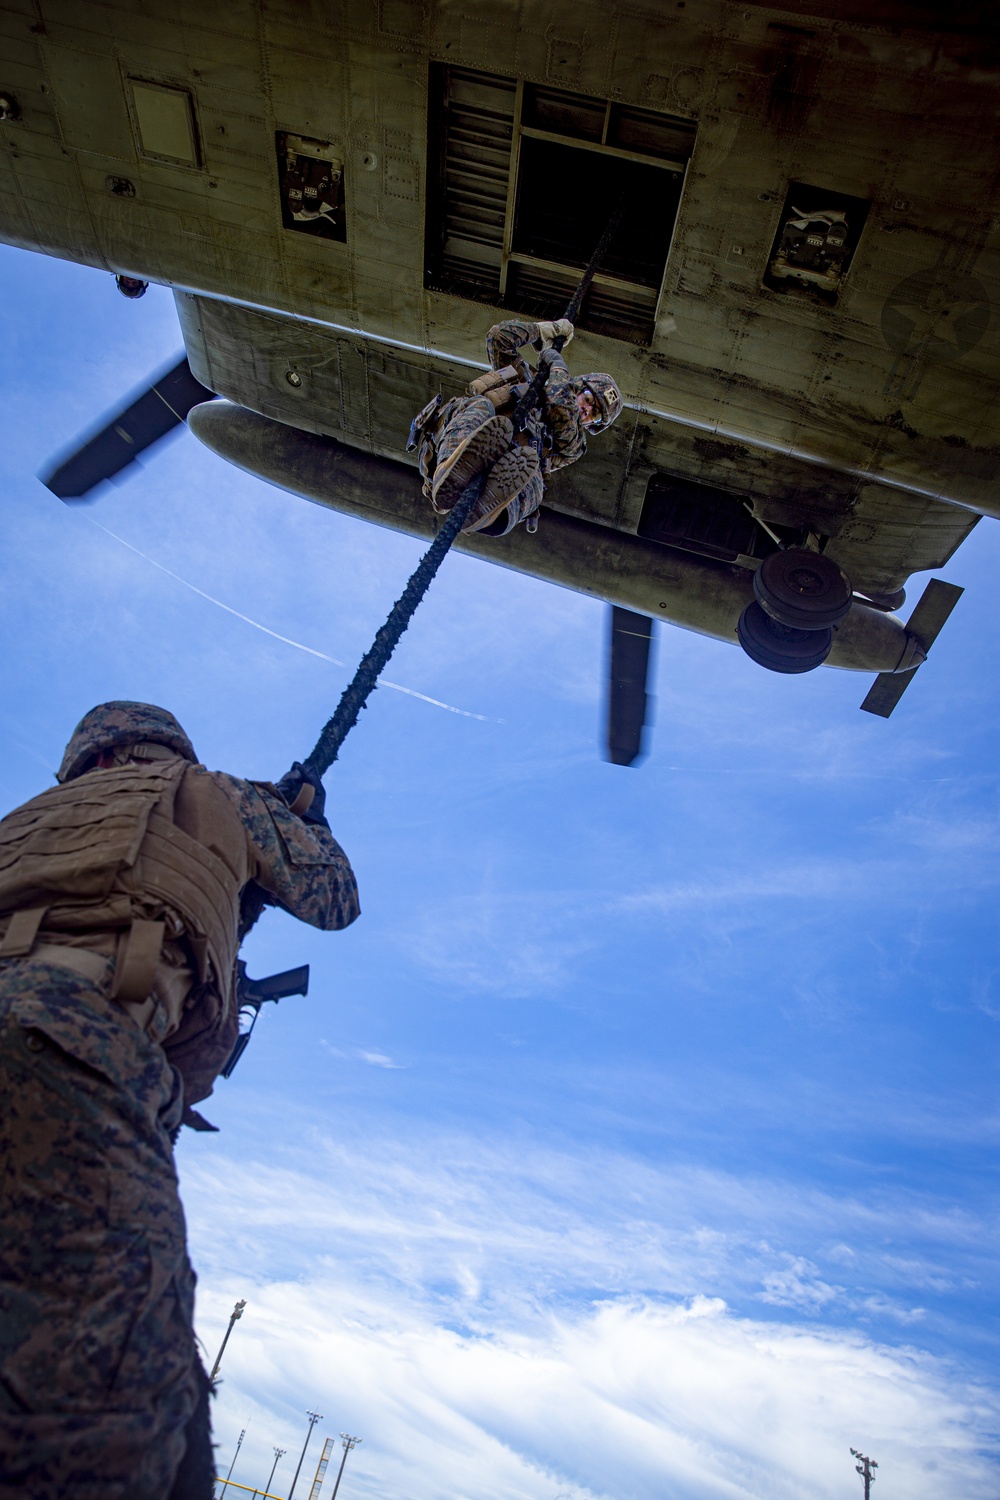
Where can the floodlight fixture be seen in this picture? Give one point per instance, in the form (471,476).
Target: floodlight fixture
(278,1453)
(314,1417)
(347,1442)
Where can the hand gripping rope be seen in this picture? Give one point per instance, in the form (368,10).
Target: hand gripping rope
(355,696)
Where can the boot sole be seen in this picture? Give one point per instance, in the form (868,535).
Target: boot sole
(480,450)
(516,471)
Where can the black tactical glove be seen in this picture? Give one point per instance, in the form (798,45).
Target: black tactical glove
(294,787)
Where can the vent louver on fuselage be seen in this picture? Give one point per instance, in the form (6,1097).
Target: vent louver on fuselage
(467,204)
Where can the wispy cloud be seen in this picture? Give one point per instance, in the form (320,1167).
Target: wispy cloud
(426,1308)
(373,1058)
(489,1229)
(470,1308)
(798,1285)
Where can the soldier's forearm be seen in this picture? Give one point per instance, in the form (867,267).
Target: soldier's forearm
(504,340)
(556,364)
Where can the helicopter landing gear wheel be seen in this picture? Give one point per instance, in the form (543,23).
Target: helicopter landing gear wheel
(781,648)
(803,589)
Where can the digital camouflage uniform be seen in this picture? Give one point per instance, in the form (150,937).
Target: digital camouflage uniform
(444,427)
(102,1396)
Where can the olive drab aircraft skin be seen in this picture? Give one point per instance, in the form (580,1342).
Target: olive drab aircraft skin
(797,303)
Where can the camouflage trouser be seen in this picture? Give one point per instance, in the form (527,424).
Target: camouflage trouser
(452,422)
(98,1371)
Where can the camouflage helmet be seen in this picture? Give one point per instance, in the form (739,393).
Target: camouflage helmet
(607,396)
(110,725)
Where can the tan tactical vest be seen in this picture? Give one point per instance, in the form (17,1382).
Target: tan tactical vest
(106,851)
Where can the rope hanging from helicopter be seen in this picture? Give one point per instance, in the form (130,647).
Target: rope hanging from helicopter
(355,696)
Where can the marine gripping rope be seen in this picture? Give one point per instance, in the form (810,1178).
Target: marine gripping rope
(355,696)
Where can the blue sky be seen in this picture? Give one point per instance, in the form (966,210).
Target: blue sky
(640,1138)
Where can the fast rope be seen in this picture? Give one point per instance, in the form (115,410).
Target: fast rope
(355,696)
(532,396)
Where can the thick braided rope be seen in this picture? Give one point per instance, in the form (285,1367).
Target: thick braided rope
(323,754)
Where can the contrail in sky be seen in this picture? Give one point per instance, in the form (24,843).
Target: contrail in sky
(287,640)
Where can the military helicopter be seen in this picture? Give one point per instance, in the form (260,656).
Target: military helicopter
(797,303)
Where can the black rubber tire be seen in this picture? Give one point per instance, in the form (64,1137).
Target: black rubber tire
(781,648)
(803,589)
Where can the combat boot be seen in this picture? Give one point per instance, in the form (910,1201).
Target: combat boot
(473,441)
(512,492)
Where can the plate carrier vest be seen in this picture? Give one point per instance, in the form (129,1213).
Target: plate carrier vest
(103,852)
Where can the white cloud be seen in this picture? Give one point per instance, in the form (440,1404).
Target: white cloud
(472,1311)
(635,1397)
(528,1223)
(372,1058)
(798,1285)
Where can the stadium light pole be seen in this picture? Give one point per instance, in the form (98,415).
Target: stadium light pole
(232,1466)
(349,1443)
(864,1467)
(237,1312)
(314,1417)
(278,1452)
